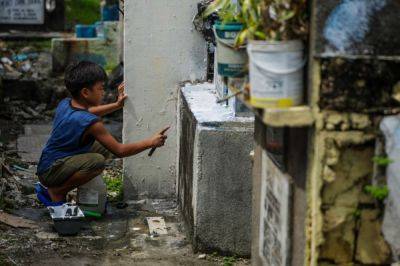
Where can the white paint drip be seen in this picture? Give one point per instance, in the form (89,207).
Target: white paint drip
(349,22)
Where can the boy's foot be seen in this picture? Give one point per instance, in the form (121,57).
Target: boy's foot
(54,196)
(44,197)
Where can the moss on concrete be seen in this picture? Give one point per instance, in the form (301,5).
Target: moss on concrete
(371,246)
(347,219)
(353,85)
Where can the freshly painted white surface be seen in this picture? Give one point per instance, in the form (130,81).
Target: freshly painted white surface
(202,101)
(162,49)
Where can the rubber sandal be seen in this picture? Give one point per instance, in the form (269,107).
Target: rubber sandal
(43,196)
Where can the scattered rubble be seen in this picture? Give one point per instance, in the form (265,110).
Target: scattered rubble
(15,189)
(25,62)
(202,256)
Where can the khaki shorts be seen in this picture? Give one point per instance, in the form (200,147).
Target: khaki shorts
(64,168)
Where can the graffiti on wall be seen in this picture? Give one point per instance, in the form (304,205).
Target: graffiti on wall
(274,241)
(349,22)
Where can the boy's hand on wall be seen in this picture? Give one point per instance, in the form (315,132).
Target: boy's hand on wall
(121,94)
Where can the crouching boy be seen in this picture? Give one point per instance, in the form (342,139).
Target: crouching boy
(79,143)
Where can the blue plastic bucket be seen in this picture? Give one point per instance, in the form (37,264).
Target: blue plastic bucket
(231,62)
(110,13)
(85,31)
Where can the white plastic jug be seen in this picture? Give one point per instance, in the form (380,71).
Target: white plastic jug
(92,196)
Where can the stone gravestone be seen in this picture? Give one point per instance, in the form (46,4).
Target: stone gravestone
(22,12)
(31,15)
(274,247)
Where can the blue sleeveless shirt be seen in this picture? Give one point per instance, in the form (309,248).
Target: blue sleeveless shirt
(69,125)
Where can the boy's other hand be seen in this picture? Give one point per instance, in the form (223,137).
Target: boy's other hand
(121,94)
(159,139)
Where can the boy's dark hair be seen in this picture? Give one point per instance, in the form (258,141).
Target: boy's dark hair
(83,74)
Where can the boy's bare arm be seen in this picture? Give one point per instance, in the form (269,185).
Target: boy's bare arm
(100,133)
(105,109)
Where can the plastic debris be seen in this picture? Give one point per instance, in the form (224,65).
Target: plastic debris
(68,219)
(26,66)
(202,256)
(390,126)
(6,60)
(23,57)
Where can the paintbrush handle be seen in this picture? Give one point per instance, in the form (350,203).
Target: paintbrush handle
(152,151)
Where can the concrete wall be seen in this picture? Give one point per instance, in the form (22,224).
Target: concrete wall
(161,50)
(215,172)
(351,43)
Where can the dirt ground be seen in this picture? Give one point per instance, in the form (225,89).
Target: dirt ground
(120,238)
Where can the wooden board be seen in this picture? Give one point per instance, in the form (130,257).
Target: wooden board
(16,222)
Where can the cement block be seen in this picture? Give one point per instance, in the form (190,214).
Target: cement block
(357,27)
(103,51)
(52,21)
(214,183)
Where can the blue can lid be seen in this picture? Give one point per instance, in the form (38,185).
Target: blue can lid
(228,26)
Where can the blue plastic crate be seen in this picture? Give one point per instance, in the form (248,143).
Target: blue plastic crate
(85,31)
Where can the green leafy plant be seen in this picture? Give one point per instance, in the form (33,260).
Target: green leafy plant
(229,261)
(114,185)
(252,21)
(378,192)
(272,20)
(357,213)
(227,10)
(382,160)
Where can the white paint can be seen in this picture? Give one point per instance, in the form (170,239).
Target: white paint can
(231,61)
(276,73)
